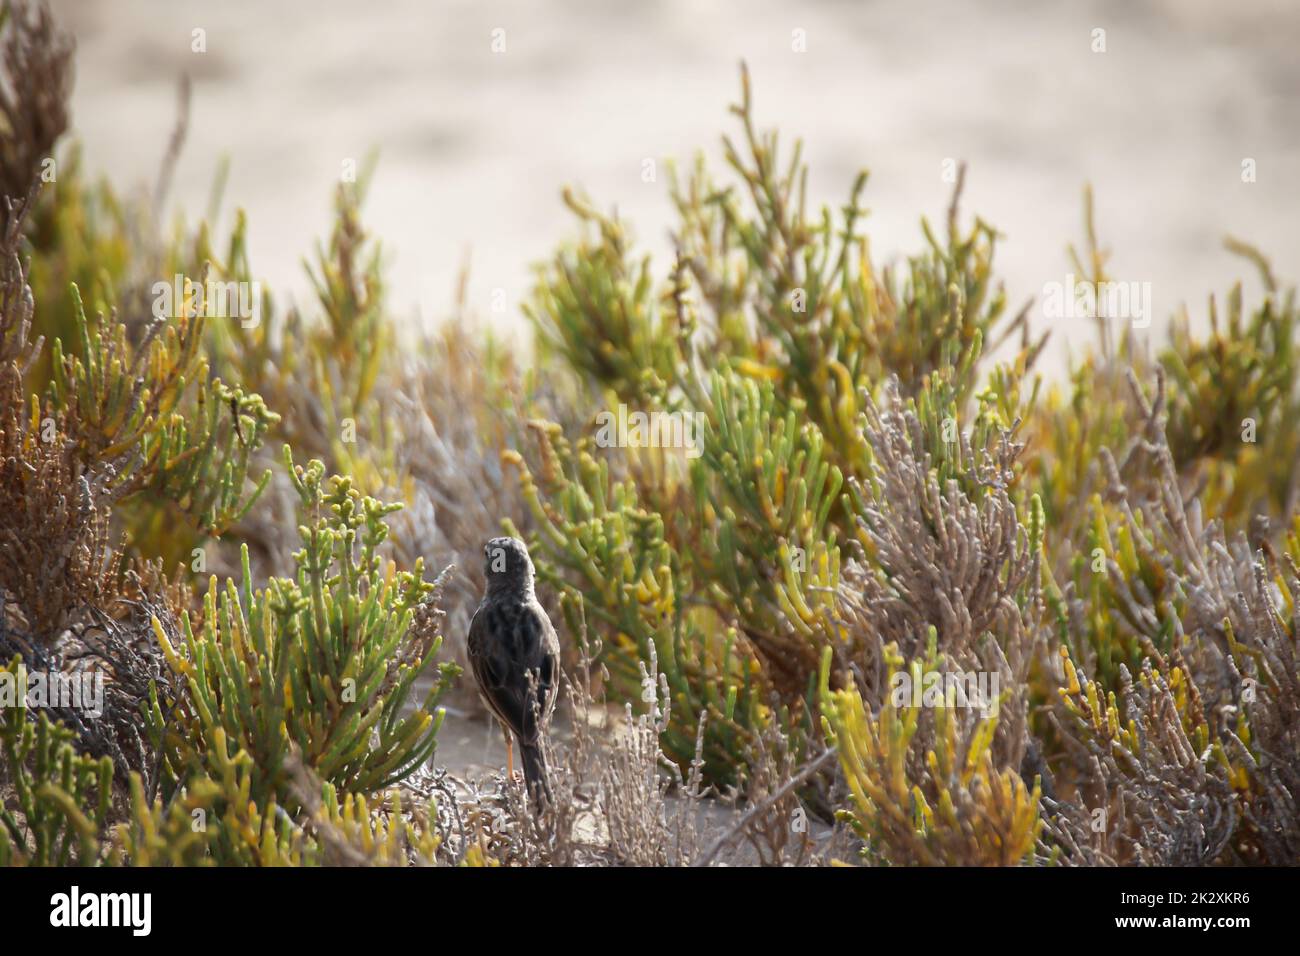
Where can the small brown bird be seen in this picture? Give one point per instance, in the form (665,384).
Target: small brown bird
(515,656)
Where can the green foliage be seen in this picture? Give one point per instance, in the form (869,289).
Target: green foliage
(154,415)
(325,661)
(764,489)
(1234,401)
(349,285)
(215,822)
(800,330)
(926,789)
(318,372)
(594,308)
(63,808)
(129,435)
(61,799)
(77,234)
(631,596)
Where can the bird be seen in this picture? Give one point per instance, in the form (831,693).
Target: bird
(515,658)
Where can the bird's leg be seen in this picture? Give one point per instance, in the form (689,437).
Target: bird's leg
(510,756)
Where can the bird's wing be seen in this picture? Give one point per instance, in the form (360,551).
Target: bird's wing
(479,647)
(508,642)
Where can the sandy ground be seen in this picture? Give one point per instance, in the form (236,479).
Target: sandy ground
(473,752)
(475,146)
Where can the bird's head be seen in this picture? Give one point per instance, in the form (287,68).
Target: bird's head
(507,566)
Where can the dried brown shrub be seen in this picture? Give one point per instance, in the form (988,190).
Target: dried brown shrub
(56,552)
(34,91)
(1197,760)
(617,799)
(949,555)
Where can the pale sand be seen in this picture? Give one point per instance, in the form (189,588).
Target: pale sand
(475,146)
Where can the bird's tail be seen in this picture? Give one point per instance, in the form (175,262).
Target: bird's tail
(536,776)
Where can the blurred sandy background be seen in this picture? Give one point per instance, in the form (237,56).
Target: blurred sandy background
(474,146)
